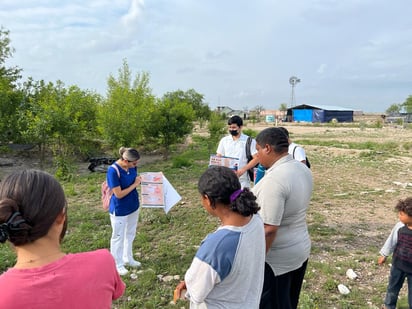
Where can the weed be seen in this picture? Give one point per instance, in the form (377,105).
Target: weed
(179,162)
(330,285)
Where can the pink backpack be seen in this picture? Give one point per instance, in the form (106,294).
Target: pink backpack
(107,192)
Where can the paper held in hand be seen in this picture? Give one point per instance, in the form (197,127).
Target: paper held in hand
(232,163)
(157,192)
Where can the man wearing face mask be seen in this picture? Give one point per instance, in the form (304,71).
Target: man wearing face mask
(234,145)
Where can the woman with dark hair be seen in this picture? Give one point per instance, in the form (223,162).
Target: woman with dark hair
(227,271)
(123,179)
(33,217)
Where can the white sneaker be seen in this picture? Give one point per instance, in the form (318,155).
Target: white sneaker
(122,270)
(134,263)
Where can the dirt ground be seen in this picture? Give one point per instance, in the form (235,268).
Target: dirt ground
(30,159)
(357,201)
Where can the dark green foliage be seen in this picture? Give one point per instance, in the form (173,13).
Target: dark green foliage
(179,162)
(250,132)
(170,121)
(125,112)
(10,96)
(407,105)
(191,97)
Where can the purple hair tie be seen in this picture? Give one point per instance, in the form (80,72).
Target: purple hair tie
(235,195)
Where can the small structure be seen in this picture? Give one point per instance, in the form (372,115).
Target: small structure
(229,112)
(319,113)
(270,118)
(273,115)
(224,110)
(398,118)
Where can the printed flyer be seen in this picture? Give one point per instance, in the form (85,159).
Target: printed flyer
(229,162)
(157,192)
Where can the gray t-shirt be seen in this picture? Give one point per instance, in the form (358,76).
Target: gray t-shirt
(284,195)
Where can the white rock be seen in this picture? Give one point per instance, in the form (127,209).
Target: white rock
(398,183)
(133,276)
(351,274)
(167,278)
(343,289)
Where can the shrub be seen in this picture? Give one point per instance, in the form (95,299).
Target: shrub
(178,162)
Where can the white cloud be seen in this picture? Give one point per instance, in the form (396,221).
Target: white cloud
(345,52)
(133,14)
(321,69)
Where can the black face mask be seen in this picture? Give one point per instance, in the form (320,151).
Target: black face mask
(234,132)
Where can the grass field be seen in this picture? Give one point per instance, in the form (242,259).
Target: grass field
(360,171)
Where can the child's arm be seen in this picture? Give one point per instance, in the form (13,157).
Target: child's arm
(381,259)
(390,243)
(177,294)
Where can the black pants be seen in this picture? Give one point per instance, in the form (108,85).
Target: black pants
(282,292)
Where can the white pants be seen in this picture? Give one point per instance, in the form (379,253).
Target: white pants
(123,233)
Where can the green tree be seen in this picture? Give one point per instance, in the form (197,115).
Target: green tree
(10,105)
(35,121)
(59,118)
(10,96)
(283,107)
(170,121)
(12,74)
(123,115)
(258,110)
(407,105)
(394,109)
(201,109)
(79,112)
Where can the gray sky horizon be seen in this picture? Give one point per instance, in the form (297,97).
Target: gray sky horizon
(351,53)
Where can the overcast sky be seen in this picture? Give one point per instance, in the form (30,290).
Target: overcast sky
(241,54)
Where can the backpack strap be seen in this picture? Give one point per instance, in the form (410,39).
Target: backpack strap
(248,153)
(117,170)
(293,153)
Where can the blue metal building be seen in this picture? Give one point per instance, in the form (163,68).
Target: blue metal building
(319,113)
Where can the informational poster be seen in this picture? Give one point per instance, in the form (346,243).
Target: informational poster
(152,190)
(232,163)
(157,192)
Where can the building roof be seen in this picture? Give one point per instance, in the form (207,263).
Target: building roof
(224,109)
(323,107)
